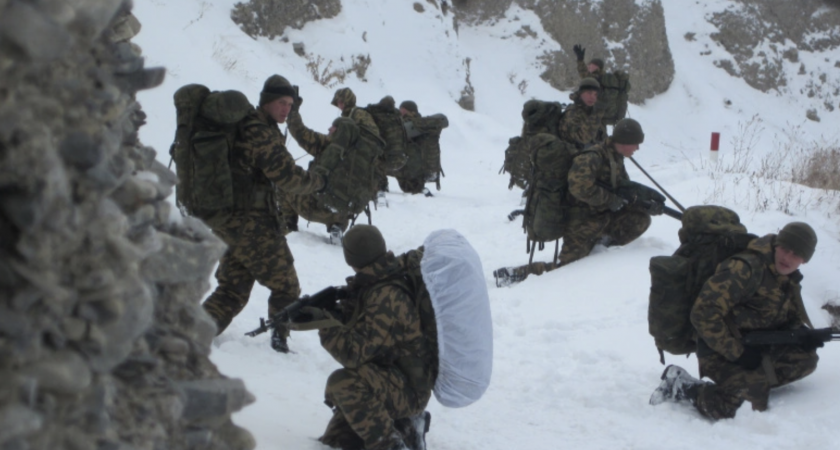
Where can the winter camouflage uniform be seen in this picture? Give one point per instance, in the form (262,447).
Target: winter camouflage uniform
(581,124)
(381,333)
(257,249)
(308,206)
(746,293)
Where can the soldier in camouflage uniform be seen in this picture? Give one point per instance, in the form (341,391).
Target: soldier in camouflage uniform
(257,249)
(581,123)
(379,396)
(308,206)
(345,100)
(595,214)
(758,289)
(424,135)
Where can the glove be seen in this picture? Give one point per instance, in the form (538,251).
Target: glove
(298,100)
(616,203)
(312,318)
(750,359)
(579,52)
(811,342)
(655,208)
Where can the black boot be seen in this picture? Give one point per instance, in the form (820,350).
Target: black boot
(507,276)
(676,385)
(278,339)
(414,429)
(515,213)
(336,235)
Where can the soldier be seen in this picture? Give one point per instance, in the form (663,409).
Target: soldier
(307,206)
(423,164)
(581,123)
(758,289)
(615,87)
(379,396)
(593,69)
(257,249)
(595,214)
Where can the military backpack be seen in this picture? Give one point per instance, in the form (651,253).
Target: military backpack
(349,163)
(538,117)
(208,124)
(709,235)
(612,100)
(423,152)
(389,122)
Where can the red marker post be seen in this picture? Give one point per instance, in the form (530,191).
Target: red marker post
(713,149)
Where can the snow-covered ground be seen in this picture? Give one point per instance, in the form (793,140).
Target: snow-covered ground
(574,365)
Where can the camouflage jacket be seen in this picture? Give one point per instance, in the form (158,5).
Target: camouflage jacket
(581,125)
(364,120)
(583,71)
(747,293)
(311,141)
(381,324)
(599,163)
(261,150)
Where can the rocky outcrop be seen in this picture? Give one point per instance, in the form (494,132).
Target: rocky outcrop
(103,343)
(765,40)
(270,17)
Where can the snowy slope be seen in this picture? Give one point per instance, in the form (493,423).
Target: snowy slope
(574,364)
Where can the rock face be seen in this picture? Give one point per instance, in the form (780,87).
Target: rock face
(765,40)
(103,343)
(270,17)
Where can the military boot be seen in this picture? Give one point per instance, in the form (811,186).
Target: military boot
(279,335)
(676,385)
(336,235)
(427,192)
(507,276)
(414,429)
(515,213)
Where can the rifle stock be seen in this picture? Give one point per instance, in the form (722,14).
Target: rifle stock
(790,337)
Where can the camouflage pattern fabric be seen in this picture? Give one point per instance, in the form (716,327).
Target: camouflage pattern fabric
(583,71)
(309,140)
(311,209)
(581,125)
(423,151)
(599,163)
(746,293)
(611,228)
(381,326)
(257,249)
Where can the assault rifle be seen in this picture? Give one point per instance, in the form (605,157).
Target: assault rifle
(643,196)
(801,336)
(323,299)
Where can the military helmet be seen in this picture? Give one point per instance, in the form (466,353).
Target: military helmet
(799,238)
(363,245)
(409,105)
(346,96)
(589,84)
(276,86)
(628,131)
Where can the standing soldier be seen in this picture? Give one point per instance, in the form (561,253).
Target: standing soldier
(758,289)
(595,214)
(257,249)
(423,163)
(345,100)
(581,123)
(615,87)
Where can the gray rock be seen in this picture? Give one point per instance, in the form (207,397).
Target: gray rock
(80,150)
(38,36)
(180,260)
(211,402)
(18,421)
(64,372)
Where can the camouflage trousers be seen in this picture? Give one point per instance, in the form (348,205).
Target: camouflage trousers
(733,384)
(257,252)
(366,403)
(308,207)
(583,232)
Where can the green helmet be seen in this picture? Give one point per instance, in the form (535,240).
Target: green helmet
(799,238)
(628,131)
(589,84)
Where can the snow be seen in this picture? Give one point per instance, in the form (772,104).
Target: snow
(574,366)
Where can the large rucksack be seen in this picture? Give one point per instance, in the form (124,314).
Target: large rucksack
(389,122)
(545,211)
(538,117)
(349,162)
(423,151)
(709,235)
(615,87)
(446,280)
(207,126)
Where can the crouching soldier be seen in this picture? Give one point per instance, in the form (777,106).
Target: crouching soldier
(375,333)
(754,290)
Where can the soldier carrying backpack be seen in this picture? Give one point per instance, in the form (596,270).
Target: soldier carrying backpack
(423,149)
(713,309)
(591,209)
(615,87)
(231,160)
(398,330)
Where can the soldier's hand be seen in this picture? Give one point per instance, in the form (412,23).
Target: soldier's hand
(297,103)
(616,203)
(655,208)
(580,52)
